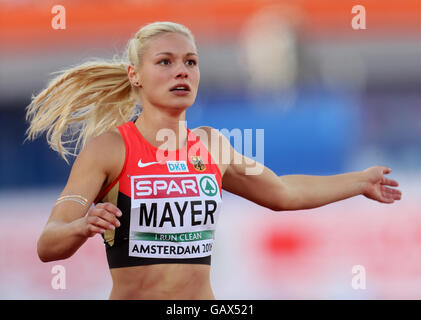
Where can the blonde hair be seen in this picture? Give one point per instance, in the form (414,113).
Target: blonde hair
(94,97)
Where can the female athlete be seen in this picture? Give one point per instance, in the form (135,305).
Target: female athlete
(156,204)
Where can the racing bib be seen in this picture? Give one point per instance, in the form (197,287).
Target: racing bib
(173,216)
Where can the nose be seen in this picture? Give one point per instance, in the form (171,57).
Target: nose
(182,75)
(182,72)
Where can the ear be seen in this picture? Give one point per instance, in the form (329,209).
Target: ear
(133,75)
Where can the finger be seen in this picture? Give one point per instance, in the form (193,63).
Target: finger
(94,230)
(391,193)
(396,194)
(390,182)
(386,170)
(107,216)
(386,200)
(101,223)
(110,207)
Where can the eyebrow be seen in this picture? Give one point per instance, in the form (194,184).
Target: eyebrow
(171,54)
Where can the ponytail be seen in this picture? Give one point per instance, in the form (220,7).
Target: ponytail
(82,103)
(92,98)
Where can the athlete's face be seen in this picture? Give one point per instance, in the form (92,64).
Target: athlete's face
(170,59)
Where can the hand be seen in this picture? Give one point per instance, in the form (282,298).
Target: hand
(100,218)
(376,185)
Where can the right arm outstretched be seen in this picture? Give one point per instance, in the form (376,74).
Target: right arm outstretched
(70,223)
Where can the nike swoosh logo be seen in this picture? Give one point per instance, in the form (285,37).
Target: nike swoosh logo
(141,165)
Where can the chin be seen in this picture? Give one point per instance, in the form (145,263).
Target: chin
(182,105)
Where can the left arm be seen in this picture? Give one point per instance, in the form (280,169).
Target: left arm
(315,191)
(296,192)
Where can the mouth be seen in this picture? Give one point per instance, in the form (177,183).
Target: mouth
(181,87)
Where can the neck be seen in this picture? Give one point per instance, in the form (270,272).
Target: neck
(163,128)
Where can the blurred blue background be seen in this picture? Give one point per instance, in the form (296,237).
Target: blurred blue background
(317,135)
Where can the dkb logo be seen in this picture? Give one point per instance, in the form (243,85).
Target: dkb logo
(177,166)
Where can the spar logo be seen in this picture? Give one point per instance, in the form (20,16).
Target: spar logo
(165,187)
(208,186)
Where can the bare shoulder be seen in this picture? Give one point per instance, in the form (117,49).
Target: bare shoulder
(107,151)
(107,139)
(100,160)
(207,134)
(104,148)
(217,144)
(205,131)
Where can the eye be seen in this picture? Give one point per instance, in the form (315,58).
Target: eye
(163,60)
(192,62)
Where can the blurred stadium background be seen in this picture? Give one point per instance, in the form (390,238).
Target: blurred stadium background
(329,98)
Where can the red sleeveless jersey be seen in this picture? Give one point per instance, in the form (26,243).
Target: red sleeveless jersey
(170,202)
